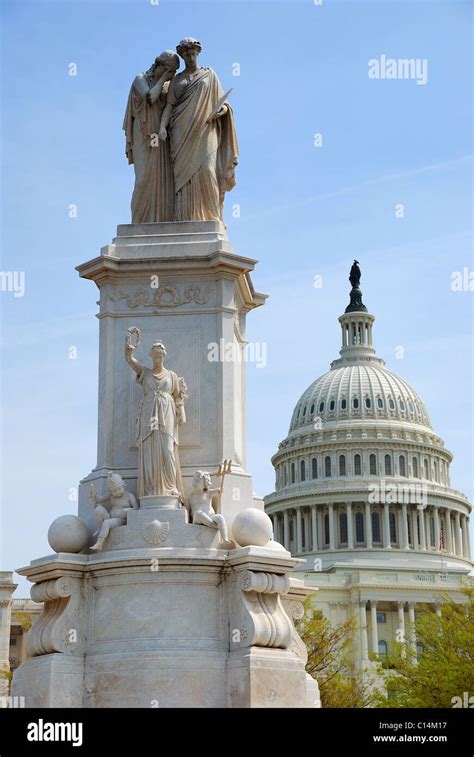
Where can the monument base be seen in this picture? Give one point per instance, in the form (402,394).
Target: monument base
(166,627)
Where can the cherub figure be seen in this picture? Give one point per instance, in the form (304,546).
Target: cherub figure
(120,500)
(200,503)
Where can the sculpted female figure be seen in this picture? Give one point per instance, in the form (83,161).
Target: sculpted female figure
(161,412)
(153,196)
(203,142)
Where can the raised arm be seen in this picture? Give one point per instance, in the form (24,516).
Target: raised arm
(132,361)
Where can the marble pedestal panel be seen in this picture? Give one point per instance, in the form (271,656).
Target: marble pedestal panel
(164,627)
(183,284)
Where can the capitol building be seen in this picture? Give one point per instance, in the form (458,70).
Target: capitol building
(363,495)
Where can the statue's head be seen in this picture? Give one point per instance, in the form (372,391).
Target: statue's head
(189,49)
(115,484)
(158,351)
(201,480)
(167,61)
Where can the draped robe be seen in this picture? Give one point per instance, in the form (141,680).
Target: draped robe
(153,195)
(204,155)
(157,435)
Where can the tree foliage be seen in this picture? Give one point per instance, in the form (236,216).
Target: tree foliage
(330,660)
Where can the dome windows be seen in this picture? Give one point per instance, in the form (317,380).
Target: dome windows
(426,468)
(302,471)
(357,465)
(327,467)
(402,465)
(321,407)
(410,406)
(342,465)
(391,403)
(393,527)
(311,409)
(298,413)
(415,467)
(368,403)
(304,411)
(359,522)
(380,403)
(292,473)
(343,528)
(401,405)
(376,527)
(388,465)
(332,404)
(343,404)
(373,465)
(314,467)
(355,403)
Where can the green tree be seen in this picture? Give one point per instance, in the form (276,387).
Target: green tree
(330,660)
(444,668)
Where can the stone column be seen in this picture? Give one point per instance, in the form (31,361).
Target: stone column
(405,543)
(374,628)
(332,544)
(368,526)
(457,533)
(307,529)
(449,533)
(437,529)
(414,527)
(350,532)
(421,515)
(401,623)
(427,529)
(314,528)
(386,527)
(299,540)
(465,549)
(286,531)
(363,631)
(411,630)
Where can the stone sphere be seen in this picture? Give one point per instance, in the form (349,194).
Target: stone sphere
(252,527)
(68,533)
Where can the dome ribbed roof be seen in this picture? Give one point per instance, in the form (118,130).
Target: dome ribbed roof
(361,392)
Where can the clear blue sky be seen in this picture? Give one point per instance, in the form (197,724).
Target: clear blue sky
(304,211)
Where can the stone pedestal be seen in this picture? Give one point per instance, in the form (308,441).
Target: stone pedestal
(163,615)
(183,284)
(167,626)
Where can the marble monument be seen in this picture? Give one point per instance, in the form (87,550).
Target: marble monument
(164,590)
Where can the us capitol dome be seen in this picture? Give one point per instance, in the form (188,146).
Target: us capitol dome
(362,478)
(363,498)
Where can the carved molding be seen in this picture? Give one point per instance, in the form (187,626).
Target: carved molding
(164,297)
(59,628)
(266,620)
